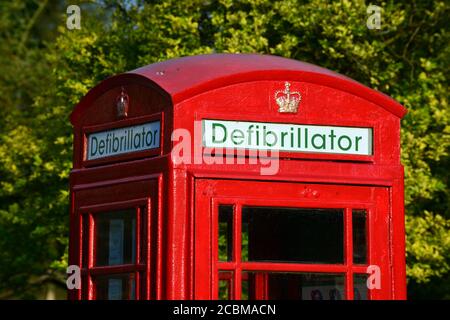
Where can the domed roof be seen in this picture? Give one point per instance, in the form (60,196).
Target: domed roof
(185,77)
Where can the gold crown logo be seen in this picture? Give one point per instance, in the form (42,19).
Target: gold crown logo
(286,100)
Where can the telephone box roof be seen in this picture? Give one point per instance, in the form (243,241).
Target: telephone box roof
(185,77)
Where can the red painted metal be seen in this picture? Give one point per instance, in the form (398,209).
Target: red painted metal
(186,77)
(211,193)
(180,247)
(348,243)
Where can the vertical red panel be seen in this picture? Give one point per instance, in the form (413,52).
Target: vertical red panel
(398,239)
(348,233)
(148,215)
(203,227)
(237,246)
(90,255)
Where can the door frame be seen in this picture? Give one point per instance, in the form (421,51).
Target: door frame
(210,193)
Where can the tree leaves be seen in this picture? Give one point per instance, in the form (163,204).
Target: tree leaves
(408,58)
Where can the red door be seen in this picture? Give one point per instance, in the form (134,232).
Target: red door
(283,240)
(115,239)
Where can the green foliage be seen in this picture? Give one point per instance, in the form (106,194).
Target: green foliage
(428,258)
(44,75)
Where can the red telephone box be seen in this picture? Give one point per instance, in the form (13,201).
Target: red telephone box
(237,176)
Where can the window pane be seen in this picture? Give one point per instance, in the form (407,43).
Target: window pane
(360,290)
(225,233)
(144,246)
(224,293)
(293,235)
(295,286)
(84,287)
(244,238)
(244,287)
(359,237)
(115,287)
(85,235)
(225,285)
(115,237)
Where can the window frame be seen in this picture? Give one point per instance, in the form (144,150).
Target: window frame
(377,235)
(237,266)
(142,208)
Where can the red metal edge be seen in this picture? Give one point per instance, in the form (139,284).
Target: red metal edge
(350,86)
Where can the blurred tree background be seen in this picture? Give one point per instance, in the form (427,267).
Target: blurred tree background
(46,68)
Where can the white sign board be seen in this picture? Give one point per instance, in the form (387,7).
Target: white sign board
(287,137)
(123,140)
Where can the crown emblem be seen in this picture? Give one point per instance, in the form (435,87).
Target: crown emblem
(286,100)
(122,104)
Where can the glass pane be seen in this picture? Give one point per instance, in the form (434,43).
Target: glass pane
(143,235)
(224,293)
(225,285)
(115,237)
(360,290)
(293,235)
(85,235)
(225,233)
(359,237)
(84,287)
(244,287)
(115,287)
(244,238)
(295,286)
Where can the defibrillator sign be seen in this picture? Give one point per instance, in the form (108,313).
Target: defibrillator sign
(287,137)
(123,140)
